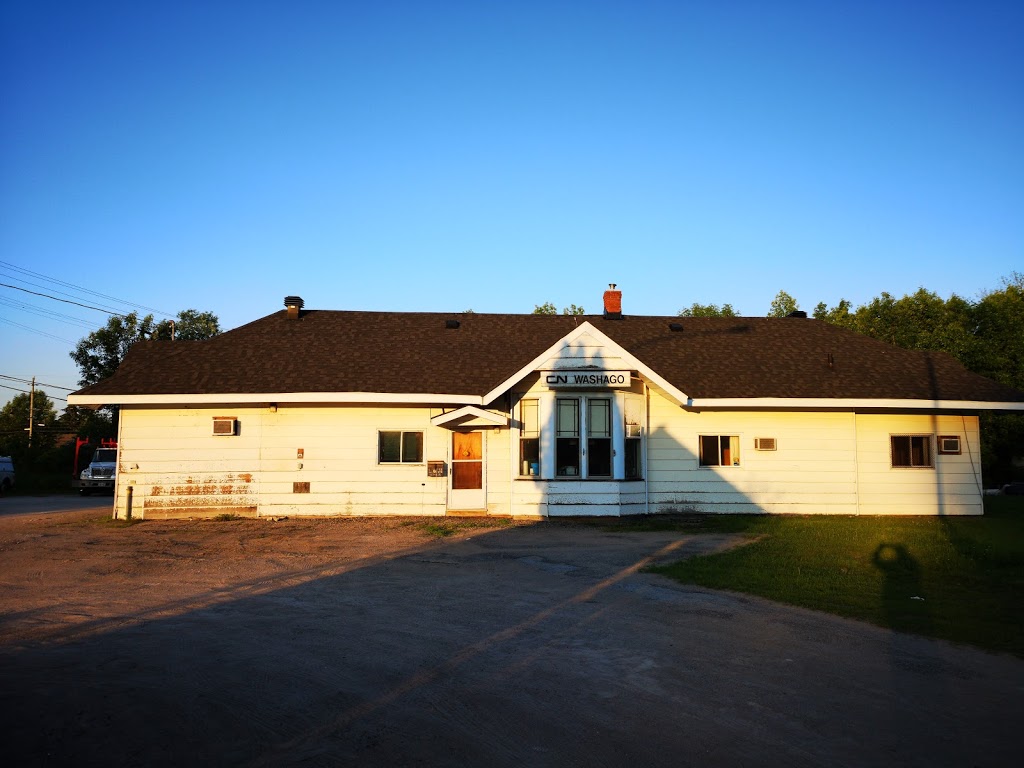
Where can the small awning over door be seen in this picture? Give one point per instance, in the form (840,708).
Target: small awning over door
(470,416)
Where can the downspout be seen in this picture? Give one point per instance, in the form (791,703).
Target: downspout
(643,443)
(118,473)
(513,455)
(856,465)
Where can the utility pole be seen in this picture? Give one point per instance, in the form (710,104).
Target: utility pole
(31,410)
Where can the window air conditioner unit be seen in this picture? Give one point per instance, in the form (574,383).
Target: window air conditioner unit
(765,444)
(949,445)
(633,430)
(224,426)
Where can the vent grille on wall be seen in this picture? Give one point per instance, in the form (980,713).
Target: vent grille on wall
(764,444)
(949,445)
(224,426)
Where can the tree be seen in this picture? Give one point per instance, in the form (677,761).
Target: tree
(986,336)
(14,420)
(547,308)
(100,353)
(782,305)
(837,315)
(190,325)
(707,310)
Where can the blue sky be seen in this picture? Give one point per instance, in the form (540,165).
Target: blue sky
(487,155)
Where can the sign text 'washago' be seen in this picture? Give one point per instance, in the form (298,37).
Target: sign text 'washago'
(587,379)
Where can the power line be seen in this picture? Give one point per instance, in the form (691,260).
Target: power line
(80,289)
(47,313)
(29,381)
(36,330)
(104,307)
(66,301)
(26,392)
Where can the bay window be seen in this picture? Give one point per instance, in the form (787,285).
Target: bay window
(580,436)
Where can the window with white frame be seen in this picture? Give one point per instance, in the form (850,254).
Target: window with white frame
(399,447)
(529,438)
(633,430)
(599,437)
(567,437)
(719,450)
(913,451)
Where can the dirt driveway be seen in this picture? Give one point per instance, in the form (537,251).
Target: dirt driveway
(344,641)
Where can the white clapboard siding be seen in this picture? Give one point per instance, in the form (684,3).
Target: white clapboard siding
(814,467)
(585,350)
(825,463)
(164,450)
(952,486)
(498,482)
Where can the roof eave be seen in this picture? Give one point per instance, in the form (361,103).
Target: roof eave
(257,398)
(846,404)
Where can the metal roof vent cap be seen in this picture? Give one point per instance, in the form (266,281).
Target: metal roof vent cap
(452,324)
(294,304)
(798,313)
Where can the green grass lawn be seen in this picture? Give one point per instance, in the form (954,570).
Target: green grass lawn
(961,579)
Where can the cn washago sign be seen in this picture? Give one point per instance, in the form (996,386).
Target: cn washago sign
(587,379)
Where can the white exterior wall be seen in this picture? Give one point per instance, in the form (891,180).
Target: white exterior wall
(812,471)
(497,483)
(825,463)
(953,486)
(176,467)
(831,463)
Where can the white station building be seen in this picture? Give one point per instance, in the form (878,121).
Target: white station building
(314,412)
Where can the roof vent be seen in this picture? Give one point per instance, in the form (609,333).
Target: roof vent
(798,313)
(294,304)
(675,327)
(452,324)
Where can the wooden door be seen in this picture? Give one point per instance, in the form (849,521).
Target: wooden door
(467,475)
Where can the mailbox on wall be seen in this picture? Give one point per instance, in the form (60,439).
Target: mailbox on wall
(435,469)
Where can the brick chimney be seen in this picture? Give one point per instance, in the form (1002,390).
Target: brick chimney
(612,303)
(294,304)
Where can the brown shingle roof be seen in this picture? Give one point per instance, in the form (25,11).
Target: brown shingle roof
(413,352)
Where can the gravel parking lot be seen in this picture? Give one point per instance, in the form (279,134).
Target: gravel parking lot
(335,641)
